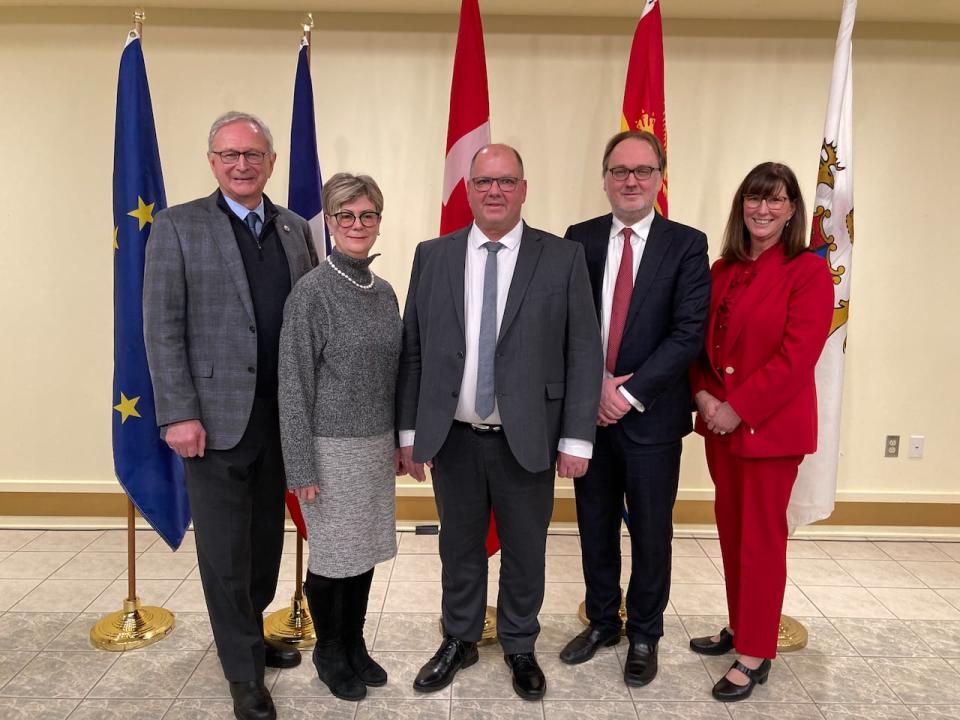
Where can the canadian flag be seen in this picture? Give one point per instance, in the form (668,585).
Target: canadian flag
(468,128)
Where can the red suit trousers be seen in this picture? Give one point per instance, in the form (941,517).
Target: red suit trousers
(751,509)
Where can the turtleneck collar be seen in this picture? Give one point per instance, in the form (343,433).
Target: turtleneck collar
(357,269)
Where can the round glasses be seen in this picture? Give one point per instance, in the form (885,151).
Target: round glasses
(232,157)
(777,202)
(640,172)
(346,219)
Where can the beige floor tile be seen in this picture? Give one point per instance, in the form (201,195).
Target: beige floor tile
(61,596)
(73,540)
(880,573)
(413,543)
(39,565)
(935,574)
(89,565)
(952,596)
(27,631)
(710,546)
(509,709)
(866,712)
(56,675)
(165,566)
(845,602)
(852,550)
(882,638)
(913,550)
(920,681)
(32,709)
(775,711)
(936,712)
(943,636)
(911,604)
(150,592)
(805,549)
(839,679)
(562,598)
(417,709)
(187,597)
(818,571)
(563,545)
(16,539)
(694,570)
(606,710)
(564,568)
(116,541)
(796,604)
(121,709)
(412,597)
(383,571)
(947,548)
(416,567)
(13,589)
(690,599)
(687,547)
(147,675)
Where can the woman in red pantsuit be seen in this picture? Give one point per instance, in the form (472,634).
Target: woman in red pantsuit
(770,314)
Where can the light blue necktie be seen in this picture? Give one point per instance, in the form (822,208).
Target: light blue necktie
(254,222)
(487,346)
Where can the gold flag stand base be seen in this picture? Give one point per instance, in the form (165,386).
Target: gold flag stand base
(133,627)
(292,625)
(791,635)
(582,613)
(489,634)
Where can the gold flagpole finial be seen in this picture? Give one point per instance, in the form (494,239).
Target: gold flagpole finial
(308,22)
(139,15)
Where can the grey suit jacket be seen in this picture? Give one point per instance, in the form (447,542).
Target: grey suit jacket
(549,362)
(198,320)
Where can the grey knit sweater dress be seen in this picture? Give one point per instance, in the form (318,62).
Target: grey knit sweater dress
(339,351)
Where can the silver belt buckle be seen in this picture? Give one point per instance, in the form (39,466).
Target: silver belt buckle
(484,428)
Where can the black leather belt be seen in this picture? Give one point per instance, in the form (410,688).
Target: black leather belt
(481,428)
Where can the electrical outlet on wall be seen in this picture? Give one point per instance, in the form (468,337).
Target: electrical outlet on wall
(891,447)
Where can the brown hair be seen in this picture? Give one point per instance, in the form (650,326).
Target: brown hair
(764,180)
(648,137)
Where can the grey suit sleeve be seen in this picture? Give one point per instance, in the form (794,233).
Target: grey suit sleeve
(584,361)
(165,324)
(408,377)
(301,344)
(679,349)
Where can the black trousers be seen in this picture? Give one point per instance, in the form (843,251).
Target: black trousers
(647,477)
(472,474)
(237,502)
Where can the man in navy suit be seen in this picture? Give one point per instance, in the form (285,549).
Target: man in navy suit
(651,287)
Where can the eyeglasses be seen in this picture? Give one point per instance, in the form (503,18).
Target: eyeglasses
(641,172)
(232,157)
(773,203)
(506,184)
(346,219)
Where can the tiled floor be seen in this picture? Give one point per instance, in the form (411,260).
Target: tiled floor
(883,618)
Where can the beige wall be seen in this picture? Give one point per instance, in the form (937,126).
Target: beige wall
(737,93)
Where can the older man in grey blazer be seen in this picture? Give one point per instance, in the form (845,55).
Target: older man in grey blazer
(499,383)
(218,271)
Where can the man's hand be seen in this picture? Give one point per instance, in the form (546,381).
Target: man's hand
(307,494)
(613,405)
(411,468)
(725,419)
(570,466)
(397,463)
(187,438)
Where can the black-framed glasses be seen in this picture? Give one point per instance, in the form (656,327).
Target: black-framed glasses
(640,172)
(345,218)
(776,202)
(232,157)
(506,184)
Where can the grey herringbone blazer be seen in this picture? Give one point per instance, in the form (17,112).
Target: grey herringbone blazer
(198,320)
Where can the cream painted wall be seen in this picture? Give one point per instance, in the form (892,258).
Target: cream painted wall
(737,93)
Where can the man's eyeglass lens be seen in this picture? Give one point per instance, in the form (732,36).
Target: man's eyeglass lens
(346,219)
(231,157)
(506,184)
(641,172)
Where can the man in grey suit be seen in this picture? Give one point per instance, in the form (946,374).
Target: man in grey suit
(499,383)
(218,271)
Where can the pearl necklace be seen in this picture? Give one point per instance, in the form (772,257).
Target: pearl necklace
(349,279)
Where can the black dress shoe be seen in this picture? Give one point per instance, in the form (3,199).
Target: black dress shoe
(280,655)
(641,665)
(726,691)
(706,645)
(528,680)
(440,670)
(585,645)
(252,701)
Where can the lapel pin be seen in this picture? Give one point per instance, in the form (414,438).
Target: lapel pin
(286,228)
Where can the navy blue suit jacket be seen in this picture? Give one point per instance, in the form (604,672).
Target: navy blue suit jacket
(665,324)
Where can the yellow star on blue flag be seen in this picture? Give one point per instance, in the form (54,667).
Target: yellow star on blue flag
(143,212)
(127,407)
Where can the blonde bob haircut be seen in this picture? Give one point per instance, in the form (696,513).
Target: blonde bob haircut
(344,188)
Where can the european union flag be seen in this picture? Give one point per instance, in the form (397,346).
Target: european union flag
(149,471)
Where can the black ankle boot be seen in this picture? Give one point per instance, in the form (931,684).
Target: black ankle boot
(325,597)
(355,614)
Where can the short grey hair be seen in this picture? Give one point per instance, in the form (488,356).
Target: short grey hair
(343,188)
(235,116)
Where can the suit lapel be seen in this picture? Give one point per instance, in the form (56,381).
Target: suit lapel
(595,246)
(226,241)
(527,257)
(658,242)
(293,248)
(456,269)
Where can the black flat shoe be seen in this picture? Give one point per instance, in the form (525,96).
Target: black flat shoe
(440,670)
(585,645)
(252,701)
(706,645)
(726,691)
(641,664)
(528,680)
(280,655)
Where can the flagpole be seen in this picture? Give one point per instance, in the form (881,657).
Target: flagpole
(293,625)
(135,626)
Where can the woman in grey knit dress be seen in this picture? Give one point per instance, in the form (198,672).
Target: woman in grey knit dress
(339,349)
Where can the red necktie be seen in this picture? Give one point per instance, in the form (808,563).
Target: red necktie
(621,301)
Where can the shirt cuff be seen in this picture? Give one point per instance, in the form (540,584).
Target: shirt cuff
(406,437)
(631,399)
(577,448)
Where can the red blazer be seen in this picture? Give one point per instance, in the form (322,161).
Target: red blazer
(773,341)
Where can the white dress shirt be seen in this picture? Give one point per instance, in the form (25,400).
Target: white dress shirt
(472,307)
(641,229)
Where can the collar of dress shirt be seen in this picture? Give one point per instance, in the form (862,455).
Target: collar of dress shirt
(510,241)
(641,228)
(241,212)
